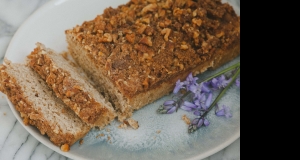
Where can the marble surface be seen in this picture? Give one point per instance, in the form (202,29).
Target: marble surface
(15,142)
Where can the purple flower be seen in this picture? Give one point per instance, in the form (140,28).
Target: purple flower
(169,103)
(171,110)
(223,111)
(178,86)
(197,113)
(199,122)
(220,82)
(208,101)
(188,106)
(190,81)
(237,82)
(197,89)
(200,101)
(168,107)
(205,87)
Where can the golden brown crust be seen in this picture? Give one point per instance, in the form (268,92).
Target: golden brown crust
(69,91)
(145,45)
(31,116)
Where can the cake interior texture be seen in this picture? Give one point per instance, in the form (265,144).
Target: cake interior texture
(38,106)
(71,86)
(136,52)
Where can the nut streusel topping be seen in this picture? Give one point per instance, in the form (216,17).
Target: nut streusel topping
(145,42)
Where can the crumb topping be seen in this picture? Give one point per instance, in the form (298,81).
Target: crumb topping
(122,126)
(186,119)
(100,135)
(81,141)
(65,147)
(133,123)
(142,43)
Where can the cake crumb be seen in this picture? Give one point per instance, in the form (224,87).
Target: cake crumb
(4,113)
(81,141)
(26,121)
(133,123)
(107,129)
(158,131)
(186,119)
(122,126)
(65,147)
(100,135)
(65,55)
(108,138)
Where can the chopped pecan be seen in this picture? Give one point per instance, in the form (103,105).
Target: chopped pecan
(130,38)
(149,8)
(177,12)
(146,20)
(166,32)
(198,22)
(152,1)
(168,4)
(184,47)
(161,13)
(146,40)
(107,37)
(141,29)
(220,34)
(149,31)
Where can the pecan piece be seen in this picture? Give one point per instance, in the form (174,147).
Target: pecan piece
(166,32)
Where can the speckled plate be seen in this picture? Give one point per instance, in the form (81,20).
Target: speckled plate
(159,136)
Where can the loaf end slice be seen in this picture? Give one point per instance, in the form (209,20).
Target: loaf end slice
(39,107)
(71,86)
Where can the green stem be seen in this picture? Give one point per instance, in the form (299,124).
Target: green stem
(222,72)
(222,92)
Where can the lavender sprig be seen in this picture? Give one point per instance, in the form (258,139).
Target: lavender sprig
(202,96)
(194,126)
(180,85)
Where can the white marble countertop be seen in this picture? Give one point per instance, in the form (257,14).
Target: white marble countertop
(15,141)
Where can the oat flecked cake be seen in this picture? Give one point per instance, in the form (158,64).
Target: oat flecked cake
(72,87)
(137,51)
(38,106)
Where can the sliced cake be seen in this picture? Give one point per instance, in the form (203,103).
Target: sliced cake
(71,86)
(38,105)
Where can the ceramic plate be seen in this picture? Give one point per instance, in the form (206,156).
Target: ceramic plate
(159,136)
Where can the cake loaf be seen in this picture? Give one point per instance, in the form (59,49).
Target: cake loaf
(39,107)
(73,88)
(137,51)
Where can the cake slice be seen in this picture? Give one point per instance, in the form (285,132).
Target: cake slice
(71,86)
(38,106)
(137,51)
